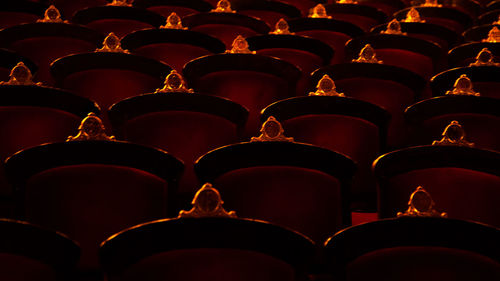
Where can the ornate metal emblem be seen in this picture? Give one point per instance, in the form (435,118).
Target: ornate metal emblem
(421,205)
(413,16)
(223,6)
(462,86)
(53,15)
(173,22)
(431,3)
(319,12)
(493,35)
(367,55)
(174,83)
(453,134)
(91,128)
(112,44)
(484,58)
(240,46)
(281,27)
(393,27)
(20,75)
(207,202)
(326,87)
(123,3)
(271,130)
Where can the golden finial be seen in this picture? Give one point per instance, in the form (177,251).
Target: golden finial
(319,12)
(174,83)
(240,46)
(485,57)
(281,27)
(326,87)
(367,55)
(223,6)
(207,202)
(493,35)
(462,86)
(413,16)
(421,205)
(52,14)
(91,128)
(20,75)
(431,3)
(347,2)
(453,134)
(173,22)
(271,131)
(123,3)
(112,44)
(393,27)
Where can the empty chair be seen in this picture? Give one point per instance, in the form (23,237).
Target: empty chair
(177,120)
(180,7)
(418,245)
(306,53)
(367,78)
(483,32)
(9,59)
(272,178)
(172,43)
(467,53)
(18,12)
(109,74)
(53,38)
(451,169)
(92,186)
(29,253)
(359,14)
(240,75)
(269,11)
(69,8)
(118,17)
(328,119)
(480,115)
(225,24)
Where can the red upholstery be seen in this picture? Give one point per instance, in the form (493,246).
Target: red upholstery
(20,268)
(336,40)
(448,23)
(366,23)
(487,89)
(68,8)
(9,18)
(120,27)
(166,10)
(270,17)
(211,264)
(225,32)
(412,61)
(90,202)
(302,199)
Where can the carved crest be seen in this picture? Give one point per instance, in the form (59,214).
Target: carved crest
(112,44)
(271,130)
(240,46)
(413,16)
(394,27)
(223,6)
(173,22)
(431,3)
(421,205)
(174,83)
(453,134)
(53,15)
(326,87)
(281,27)
(20,75)
(367,55)
(91,128)
(122,3)
(207,202)
(462,86)
(319,12)
(484,58)
(493,35)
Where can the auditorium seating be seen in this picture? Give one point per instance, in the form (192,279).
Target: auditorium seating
(313,118)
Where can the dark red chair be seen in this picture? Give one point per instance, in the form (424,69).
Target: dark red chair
(9,60)
(303,5)
(176,47)
(269,11)
(363,16)
(206,242)
(300,186)
(253,81)
(29,253)
(389,7)
(18,12)
(481,33)
(91,187)
(349,126)
(488,17)
(120,20)
(447,16)
(185,124)
(415,248)
(180,7)
(53,39)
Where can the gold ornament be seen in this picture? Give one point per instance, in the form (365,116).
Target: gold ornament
(91,128)
(53,15)
(173,22)
(240,46)
(421,205)
(112,44)
(367,55)
(453,134)
(326,87)
(20,75)
(174,83)
(207,202)
(271,131)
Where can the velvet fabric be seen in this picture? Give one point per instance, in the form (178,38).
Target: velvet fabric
(10,18)
(120,27)
(20,268)
(225,32)
(336,40)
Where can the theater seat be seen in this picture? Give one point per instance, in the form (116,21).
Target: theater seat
(389,7)
(91,186)
(269,11)
(275,179)
(445,15)
(177,120)
(180,7)
(363,16)
(9,60)
(29,252)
